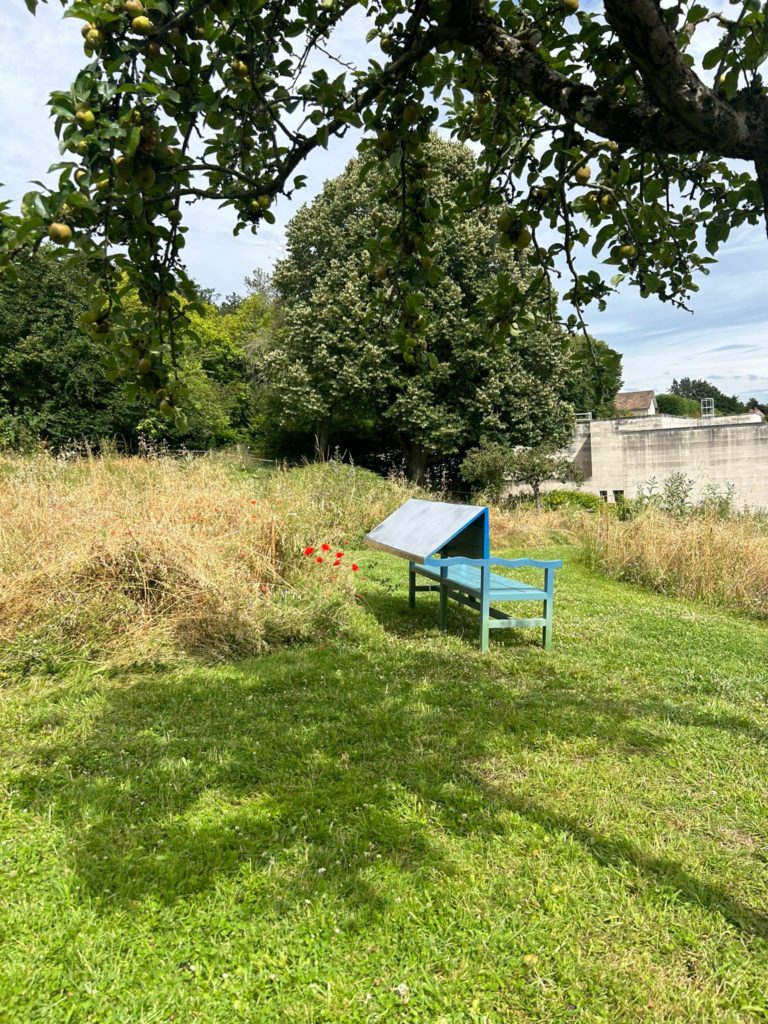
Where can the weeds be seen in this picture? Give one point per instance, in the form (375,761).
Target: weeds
(124,557)
(723,561)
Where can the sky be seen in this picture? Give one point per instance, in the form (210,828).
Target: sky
(724,339)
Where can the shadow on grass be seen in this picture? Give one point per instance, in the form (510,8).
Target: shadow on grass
(303,767)
(399,620)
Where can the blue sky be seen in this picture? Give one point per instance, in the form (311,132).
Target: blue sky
(724,340)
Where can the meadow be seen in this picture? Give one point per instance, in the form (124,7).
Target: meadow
(241,785)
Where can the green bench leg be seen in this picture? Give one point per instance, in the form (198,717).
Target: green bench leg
(485,608)
(546,632)
(411,586)
(549,586)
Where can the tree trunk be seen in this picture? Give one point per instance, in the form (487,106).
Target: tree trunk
(418,460)
(322,435)
(537,496)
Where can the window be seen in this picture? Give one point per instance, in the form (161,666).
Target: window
(604,495)
(618,496)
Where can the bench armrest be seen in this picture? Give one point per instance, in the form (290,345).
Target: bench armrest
(536,563)
(509,563)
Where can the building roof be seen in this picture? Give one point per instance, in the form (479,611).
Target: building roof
(633,401)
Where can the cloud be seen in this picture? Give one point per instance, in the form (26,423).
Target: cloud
(732,348)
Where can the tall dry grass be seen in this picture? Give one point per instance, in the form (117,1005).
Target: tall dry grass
(524,527)
(723,561)
(122,558)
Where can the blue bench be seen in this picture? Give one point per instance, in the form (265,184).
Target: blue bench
(459,535)
(470,582)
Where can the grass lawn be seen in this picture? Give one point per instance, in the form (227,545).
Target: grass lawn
(396,828)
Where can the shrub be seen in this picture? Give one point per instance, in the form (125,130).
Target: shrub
(488,469)
(492,466)
(554,500)
(676,405)
(675,498)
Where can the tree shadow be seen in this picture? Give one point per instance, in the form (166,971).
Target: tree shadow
(296,768)
(663,871)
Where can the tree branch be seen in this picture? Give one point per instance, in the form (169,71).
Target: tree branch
(653,49)
(691,118)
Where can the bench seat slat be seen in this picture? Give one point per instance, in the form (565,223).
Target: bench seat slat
(467,577)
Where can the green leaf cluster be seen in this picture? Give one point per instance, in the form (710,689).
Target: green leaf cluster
(593,130)
(55,385)
(335,368)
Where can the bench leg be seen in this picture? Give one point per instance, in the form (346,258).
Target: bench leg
(485,608)
(549,587)
(442,614)
(546,633)
(411,587)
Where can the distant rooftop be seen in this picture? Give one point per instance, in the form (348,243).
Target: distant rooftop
(633,401)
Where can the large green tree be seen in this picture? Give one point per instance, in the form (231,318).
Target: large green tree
(599,124)
(55,387)
(336,365)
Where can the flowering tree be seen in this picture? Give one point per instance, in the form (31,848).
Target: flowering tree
(610,126)
(336,364)
(493,466)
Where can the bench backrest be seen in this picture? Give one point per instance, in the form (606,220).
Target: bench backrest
(420,529)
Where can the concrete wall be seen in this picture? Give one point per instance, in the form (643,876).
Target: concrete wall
(625,454)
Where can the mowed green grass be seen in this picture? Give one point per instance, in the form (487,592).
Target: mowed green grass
(396,828)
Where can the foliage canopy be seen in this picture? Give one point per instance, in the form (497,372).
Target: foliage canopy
(698,389)
(336,361)
(54,388)
(493,466)
(601,128)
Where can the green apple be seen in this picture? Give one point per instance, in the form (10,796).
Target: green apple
(60,233)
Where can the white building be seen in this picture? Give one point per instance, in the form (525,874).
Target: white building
(619,457)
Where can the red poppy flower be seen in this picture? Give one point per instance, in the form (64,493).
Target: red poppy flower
(254,501)
(339,554)
(318,559)
(325,547)
(309,551)
(355,567)
(336,563)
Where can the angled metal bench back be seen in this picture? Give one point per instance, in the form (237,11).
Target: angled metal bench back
(421,529)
